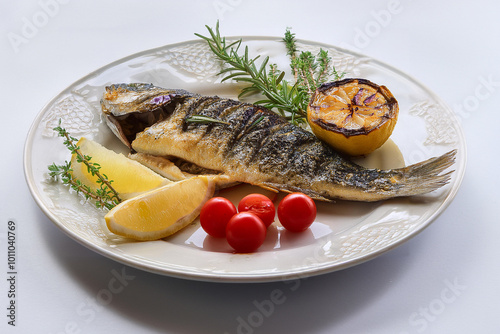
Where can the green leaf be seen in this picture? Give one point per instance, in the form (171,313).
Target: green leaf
(204,120)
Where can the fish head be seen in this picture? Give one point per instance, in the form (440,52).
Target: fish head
(130,108)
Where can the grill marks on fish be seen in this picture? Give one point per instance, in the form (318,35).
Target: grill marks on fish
(271,153)
(238,141)
(284,156)
(268,146)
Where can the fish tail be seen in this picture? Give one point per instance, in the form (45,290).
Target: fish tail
(426,176)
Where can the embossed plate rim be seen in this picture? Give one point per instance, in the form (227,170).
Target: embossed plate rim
(225,274)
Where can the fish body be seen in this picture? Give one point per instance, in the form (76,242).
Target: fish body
(248,143)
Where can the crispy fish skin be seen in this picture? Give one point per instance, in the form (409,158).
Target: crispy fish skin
(254,145)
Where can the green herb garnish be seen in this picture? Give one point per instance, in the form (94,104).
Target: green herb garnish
(106,196)
(308,70)
(289,100)
(257,121)
(204,120)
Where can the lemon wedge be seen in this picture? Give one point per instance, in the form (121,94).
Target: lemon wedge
(160,212)
(355,116)
(130,178)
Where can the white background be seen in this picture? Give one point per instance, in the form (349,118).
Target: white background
(445,280)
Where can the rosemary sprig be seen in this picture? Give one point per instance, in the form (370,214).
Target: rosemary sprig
(280,94)
(290,100)
(106,196)
(204,120)
(257,121)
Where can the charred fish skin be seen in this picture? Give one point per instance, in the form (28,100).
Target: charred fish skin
(257,146)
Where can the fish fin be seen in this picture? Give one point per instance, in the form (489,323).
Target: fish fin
(169,170)
(277,188)
(160,165)
(267,187)
(425,176)
(223,181)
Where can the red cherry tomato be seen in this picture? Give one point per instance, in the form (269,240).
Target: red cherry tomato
(215,214)
(245,232)
(296,212)
(260,205)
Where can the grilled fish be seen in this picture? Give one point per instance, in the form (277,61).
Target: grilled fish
(248,143)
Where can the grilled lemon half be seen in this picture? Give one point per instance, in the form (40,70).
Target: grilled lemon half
(354,116)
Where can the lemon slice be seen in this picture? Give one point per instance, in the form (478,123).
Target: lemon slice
(160,212)
(130,178)
(355,116)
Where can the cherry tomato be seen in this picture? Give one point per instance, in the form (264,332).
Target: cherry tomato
(215,214)
(260,205)
(296,212)
(245,232)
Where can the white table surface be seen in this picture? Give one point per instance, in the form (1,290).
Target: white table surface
(444,280)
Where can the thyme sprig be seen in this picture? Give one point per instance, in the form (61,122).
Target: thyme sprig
(308,70)
(288,99)
(63,172)
(105,196)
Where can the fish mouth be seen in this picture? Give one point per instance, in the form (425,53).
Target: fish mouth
(129,109)
(127,126)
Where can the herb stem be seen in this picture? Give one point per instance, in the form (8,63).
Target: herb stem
(242,68)
(204,120)
(89,194)
(105,196)
(92,168)
(64,173)
(287,99)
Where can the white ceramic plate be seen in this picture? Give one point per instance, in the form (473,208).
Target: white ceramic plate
(344,234)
